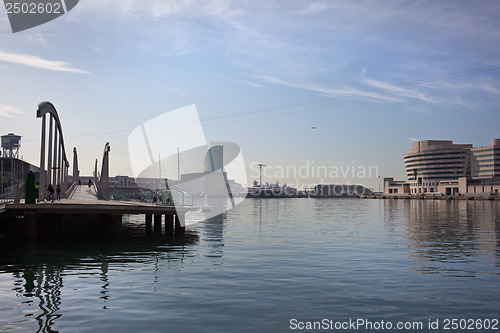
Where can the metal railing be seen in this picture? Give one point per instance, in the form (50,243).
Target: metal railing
(181,197)
(6,198)
(70,190)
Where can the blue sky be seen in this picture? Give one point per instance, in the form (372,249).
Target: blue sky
(371,76)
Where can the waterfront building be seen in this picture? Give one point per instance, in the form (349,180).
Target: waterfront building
(485,161)
(438,166)
(485,170)
(13,170)
(392,186)
(122,181)
(431,163)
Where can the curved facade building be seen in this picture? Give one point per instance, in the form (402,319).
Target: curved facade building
(485,161)
(443,167)
(431,163)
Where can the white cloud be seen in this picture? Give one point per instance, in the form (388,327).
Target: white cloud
(138,9)
(413,139)
(9,111)
(397,90)
(315,7)
(37,62)
(346,93)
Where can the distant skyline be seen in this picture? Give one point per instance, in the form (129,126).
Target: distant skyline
(293,83)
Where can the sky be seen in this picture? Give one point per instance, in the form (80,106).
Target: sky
(319,91)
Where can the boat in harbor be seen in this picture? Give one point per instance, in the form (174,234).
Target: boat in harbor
(271,191)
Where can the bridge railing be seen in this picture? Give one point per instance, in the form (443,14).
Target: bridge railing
(6,198)
(182,197)
(70,190)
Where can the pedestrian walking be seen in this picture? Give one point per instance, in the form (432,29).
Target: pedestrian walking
(58,192)
(50,188)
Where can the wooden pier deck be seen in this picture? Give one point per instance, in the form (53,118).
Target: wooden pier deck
(83,202)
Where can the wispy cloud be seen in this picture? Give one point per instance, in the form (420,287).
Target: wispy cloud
(413,139)
(397,90)
(317,7)
(37,62)
(228,78)
(345,93)
(138,9)
(9,111)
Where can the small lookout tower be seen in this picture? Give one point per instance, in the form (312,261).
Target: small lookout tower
(10,145)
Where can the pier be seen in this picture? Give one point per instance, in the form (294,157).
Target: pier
(84,207)
(431,197)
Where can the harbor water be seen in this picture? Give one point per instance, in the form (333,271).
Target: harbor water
(269,265)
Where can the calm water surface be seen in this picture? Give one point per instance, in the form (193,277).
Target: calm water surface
(265,263)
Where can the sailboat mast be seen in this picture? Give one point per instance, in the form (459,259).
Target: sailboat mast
(159,164)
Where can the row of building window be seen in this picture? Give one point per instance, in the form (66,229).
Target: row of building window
(434,178)
(490,149)
(423,173)
(432,158)
(423,163)
(425,184)
(436,162)
(438,152)
(485,182)
(438,155)
(485,155)
(410,169)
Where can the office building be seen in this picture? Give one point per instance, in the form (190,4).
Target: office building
(437,166)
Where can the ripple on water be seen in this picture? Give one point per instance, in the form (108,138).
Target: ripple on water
(264,263)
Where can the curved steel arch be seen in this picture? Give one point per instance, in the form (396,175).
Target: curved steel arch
(102,181)
(57,162)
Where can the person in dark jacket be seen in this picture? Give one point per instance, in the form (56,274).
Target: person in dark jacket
(50,188)
(58,192)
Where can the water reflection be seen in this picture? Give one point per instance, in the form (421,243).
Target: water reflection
(40,268)
(213,231)
(442,233)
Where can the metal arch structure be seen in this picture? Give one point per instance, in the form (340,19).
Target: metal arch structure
(76,172)
(57,164)
(102,179)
